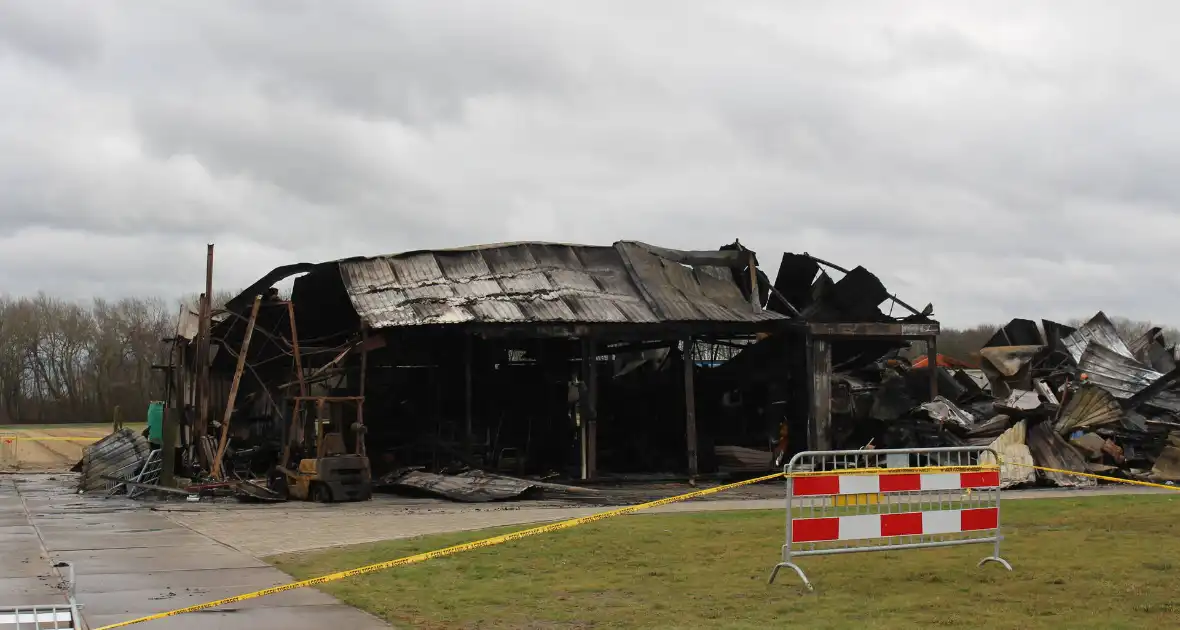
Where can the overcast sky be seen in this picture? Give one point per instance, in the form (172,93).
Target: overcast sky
(997,159)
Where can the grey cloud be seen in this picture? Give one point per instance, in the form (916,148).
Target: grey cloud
(53,31)
(998,160)
(394,59)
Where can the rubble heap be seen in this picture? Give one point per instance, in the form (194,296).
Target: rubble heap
(1083,400)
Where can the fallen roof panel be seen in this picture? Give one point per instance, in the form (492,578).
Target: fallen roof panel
(1049,450)
(1121,375)
(1089,407)
(1140,344)
(1099,330)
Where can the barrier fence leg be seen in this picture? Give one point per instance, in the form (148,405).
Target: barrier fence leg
(996,557)
(997,560)
(796,569)
(786,557)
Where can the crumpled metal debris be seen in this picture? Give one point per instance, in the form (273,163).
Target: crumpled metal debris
(1088,406)
(1080,400)
(944,410)
(1099,331)
(1016,460)
(119,453)
(1050,451)
(472,486)
(1008,367)
(1019,401)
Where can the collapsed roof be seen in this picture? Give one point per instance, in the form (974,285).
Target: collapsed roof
(538,283)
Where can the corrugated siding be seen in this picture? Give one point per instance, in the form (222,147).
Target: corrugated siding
(684,293)
(537,282)
(1140,345)
(110,455)
(1168,400)
(1089,407)
(1099,330)
(1120,375)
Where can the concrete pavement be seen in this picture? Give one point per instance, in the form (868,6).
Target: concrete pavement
(132,562)
(26,575)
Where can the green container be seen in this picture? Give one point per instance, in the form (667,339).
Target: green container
(155,422)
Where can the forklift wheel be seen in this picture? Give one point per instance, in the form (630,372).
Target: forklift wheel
(320,493)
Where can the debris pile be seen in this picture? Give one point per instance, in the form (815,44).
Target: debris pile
(1082,400)
(120,455)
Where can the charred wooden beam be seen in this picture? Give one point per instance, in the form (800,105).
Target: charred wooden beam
(589,404)
(932,363)
(233,389)
(690,409)
(820,361)
(468,389)
(888,330)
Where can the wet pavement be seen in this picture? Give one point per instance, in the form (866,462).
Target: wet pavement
(131,562)
(26,575)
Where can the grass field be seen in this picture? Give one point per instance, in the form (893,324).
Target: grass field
(48,446)
(1091,563)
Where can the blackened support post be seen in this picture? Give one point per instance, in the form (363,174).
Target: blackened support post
(467,394)
(206,328)
(690,409)
(295,350)
(589,404)
(170,440)
(360,405)
(199,359)
(932,363)
(820,360)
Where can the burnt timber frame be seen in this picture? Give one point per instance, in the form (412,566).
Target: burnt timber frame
(819,365)
(590,345)
(593,337)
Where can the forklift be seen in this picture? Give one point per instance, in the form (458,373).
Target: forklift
(327,472)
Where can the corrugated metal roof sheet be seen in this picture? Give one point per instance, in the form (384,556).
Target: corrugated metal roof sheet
(1089,407)
(1099,330)
(542,283)
(1120,375)
(474,486)
(1168,400)
(1140,344)
(110,455)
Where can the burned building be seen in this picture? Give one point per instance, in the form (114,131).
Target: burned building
(573,361)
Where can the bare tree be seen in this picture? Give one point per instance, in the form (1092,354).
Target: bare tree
(63,362)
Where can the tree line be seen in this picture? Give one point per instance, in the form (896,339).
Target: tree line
(69,362)
(65,362)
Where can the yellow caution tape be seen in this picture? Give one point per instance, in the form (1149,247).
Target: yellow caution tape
(1133,482)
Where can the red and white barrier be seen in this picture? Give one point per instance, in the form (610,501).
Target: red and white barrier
(865,526)
(852,483)
(956,502)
